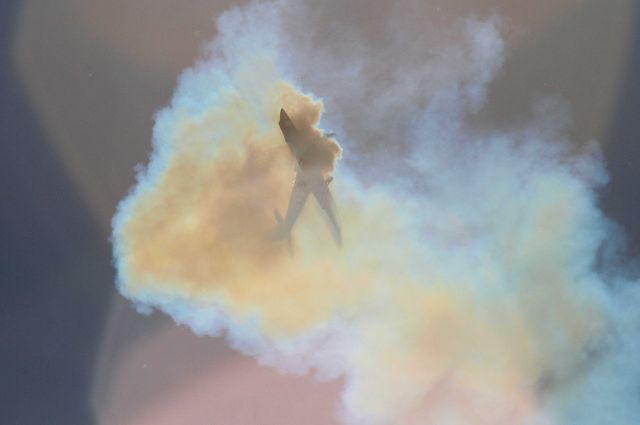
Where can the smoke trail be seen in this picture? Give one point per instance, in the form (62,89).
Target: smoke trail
(466,291)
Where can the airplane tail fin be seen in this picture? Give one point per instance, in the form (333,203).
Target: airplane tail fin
(281,232)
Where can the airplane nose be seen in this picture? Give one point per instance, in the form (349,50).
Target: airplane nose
(285,122)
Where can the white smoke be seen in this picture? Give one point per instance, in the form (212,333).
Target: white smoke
(467,290)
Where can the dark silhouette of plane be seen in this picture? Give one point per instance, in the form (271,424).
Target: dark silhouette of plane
(310,178)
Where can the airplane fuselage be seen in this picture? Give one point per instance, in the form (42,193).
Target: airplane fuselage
(303,150)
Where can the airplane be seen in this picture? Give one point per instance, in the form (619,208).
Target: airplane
(309,179)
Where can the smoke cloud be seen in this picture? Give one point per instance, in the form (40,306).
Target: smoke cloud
(470,287)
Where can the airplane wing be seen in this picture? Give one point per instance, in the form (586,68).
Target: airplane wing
(298,197)
(320,190)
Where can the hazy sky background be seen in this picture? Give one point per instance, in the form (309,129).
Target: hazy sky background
(80,82)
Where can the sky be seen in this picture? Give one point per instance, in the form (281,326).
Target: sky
(80,163)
